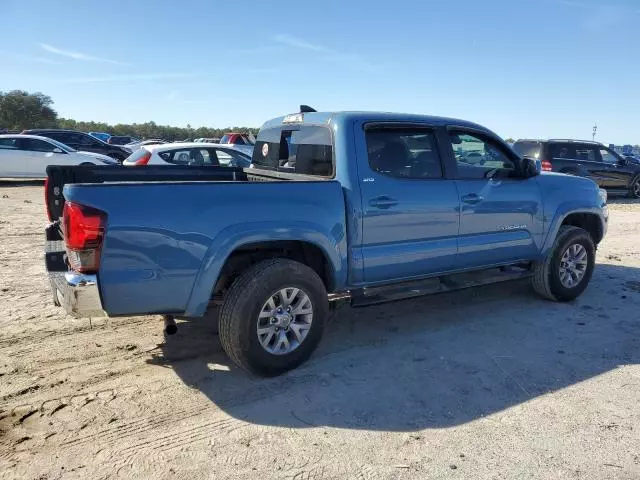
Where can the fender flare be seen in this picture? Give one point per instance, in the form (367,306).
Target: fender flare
(331,243)
(561,214)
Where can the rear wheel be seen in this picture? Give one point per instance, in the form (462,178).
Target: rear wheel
(273,316)
(568,268)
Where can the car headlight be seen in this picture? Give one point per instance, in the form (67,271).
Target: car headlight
(603,195)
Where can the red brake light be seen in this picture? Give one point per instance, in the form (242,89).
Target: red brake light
(46,199)
(144,159)
(83,234)
(546,166)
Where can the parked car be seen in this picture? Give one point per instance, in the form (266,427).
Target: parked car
(121,140)
(237,139)
(101,136)
(136,145)
(585,159)
(82,141)
(211,154)
(242,141)
(338,207)
(27,156)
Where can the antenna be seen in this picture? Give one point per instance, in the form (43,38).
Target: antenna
(306,109)
(595,129)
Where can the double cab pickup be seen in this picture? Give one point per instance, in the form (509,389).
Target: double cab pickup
(354,207)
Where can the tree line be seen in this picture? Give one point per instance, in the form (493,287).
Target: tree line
(20,110)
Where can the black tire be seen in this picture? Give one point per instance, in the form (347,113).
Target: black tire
(238,320)
(546,279)
(634,187)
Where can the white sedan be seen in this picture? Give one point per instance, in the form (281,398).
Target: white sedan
(194,153)
(27,156)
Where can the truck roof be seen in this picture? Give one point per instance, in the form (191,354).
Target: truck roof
(323,118)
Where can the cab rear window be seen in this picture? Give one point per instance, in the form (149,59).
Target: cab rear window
(301,149)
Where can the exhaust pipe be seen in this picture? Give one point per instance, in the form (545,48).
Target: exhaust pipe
(170,327)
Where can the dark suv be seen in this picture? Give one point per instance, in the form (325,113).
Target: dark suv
(586,159)
(82,141)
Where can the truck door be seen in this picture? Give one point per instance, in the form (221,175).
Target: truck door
(500,211)
(410,209)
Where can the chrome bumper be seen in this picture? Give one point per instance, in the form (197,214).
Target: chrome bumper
(77,293)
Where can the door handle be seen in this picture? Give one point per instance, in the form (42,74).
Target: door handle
(472,198)
(383,202)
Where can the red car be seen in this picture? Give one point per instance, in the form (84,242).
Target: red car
(238,139)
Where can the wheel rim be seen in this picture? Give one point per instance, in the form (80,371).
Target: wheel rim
(285,320)
(573,265)
(636,188)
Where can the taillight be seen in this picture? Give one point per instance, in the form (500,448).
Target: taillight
(546,166)
(46,199)
(83,235)
(144,159)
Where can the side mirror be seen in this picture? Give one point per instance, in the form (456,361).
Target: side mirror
(531,167)
(57,150)
(623,162)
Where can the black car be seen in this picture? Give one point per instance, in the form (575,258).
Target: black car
(82,142)
(121,140)
(586,159)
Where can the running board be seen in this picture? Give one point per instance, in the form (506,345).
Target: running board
(430,286)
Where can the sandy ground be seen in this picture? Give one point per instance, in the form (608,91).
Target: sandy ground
(486,383)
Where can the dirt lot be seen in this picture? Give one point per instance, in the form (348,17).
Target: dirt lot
(487,383)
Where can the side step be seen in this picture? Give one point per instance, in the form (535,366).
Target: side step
(445,283)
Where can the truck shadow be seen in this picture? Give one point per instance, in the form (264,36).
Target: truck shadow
(432,362)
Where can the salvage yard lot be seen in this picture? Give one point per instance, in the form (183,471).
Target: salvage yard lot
(485,383)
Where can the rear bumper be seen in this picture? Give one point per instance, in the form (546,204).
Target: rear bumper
(77,293)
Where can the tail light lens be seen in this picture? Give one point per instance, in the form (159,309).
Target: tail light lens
(546,166)
(46,199)
(84,229)
(144,159)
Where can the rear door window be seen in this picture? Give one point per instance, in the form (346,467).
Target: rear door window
(563,151)
(403,152)
(305,149)
(587,153)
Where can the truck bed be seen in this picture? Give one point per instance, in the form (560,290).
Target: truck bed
(58,176)
(169,230)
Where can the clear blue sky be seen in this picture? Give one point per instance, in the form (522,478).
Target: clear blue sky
(544,68)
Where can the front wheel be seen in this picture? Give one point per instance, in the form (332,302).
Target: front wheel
(567,269)
(273,316)
(634,188)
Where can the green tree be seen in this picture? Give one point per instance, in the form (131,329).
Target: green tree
(20,110)
(510,140)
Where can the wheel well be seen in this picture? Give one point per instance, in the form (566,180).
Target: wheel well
(587,221)
(250,254)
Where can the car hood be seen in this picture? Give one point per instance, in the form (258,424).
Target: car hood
(99,156)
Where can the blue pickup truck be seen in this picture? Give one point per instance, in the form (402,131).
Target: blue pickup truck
(336,207)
